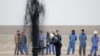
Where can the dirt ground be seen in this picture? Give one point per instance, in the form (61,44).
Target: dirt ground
(7,46)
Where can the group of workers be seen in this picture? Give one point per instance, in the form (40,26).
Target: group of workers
(20,43)
(53,43)
(82,46)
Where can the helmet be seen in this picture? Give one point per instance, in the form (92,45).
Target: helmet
(95,32)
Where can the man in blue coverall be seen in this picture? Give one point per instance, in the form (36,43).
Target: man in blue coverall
(94,40)
(24,43)
(72,41)
(41,41)
(82,39)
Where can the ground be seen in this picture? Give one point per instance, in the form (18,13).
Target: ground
(7,46)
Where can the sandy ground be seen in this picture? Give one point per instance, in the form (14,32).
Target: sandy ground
(7,46)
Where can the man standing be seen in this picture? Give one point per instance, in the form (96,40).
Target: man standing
(52,46)
(48,51)
(94,40)
(72,41)
(24,43)
(82,39)
(59,44)
(41,41)
(18,43)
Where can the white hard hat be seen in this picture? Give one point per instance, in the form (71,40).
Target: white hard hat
(95,32)
(51,35)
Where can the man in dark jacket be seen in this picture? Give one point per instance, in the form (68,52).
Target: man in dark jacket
(58,44)
(56,40)
(48,51)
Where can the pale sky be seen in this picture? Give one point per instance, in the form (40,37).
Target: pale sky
(58,12)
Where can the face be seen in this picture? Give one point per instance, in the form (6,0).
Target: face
(41,32)
(95,34)
(22,33)
(53,33)
(57,31)
(73,31)
(82,32)
(18,32)
(47,32)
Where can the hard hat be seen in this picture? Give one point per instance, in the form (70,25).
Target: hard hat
(95,32)
(51,35)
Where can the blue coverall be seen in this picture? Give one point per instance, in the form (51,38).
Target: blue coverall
(82,39)
(94,48)
(52,48)
(41,42)
(72,41)
(24,45)
(82,47)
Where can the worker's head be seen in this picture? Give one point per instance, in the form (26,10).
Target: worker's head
(95,33)
(51,35)
(57,31)
(82,31)
(18,31)
(23,33)
(47,32)
(54,33)
(73,31)
(41,32)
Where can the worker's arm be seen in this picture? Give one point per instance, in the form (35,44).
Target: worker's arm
(76,38)
(85,37)
(79,37)
(15,39)
(25,39)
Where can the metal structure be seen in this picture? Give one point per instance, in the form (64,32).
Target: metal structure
(34,11)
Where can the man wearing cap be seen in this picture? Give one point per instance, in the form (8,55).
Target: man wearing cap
(72,41)
(82,39)
(94,47)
